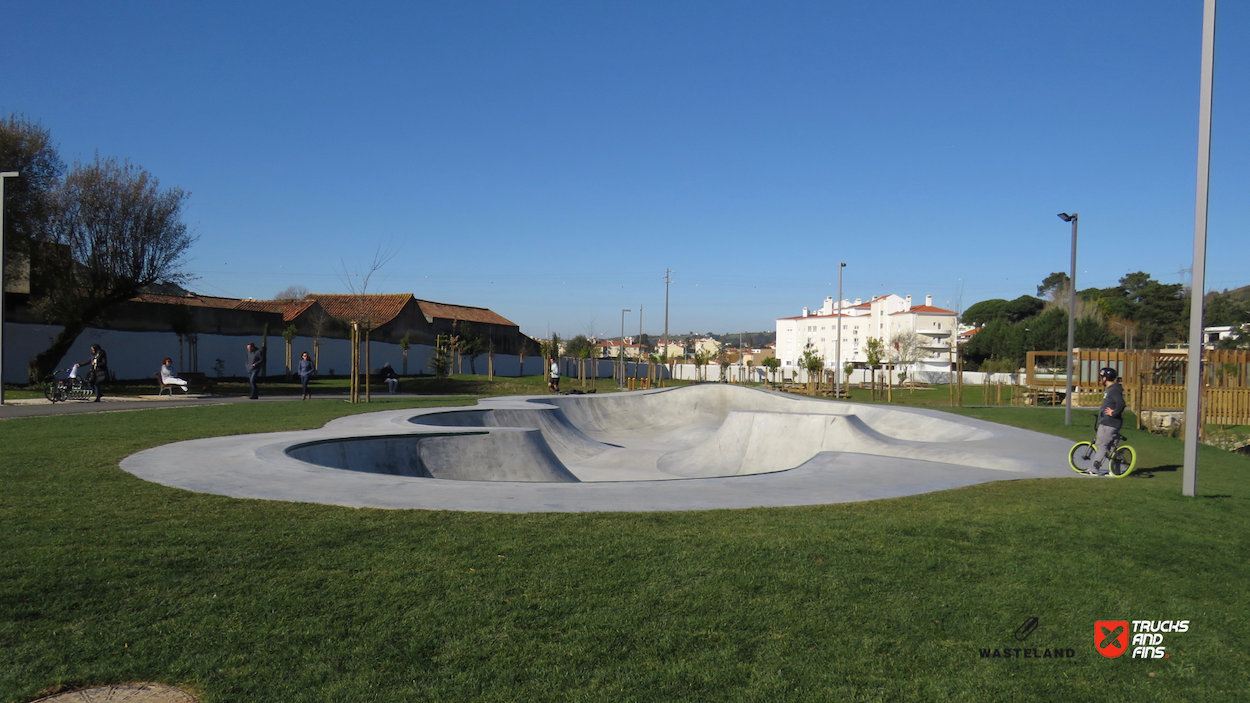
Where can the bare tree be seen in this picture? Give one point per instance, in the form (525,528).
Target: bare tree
(294,292)
(114,232)
(320,322)
(357,283)
(27,148)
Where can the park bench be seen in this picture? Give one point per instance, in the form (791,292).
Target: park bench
(193,379)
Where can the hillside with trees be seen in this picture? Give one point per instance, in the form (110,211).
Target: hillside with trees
(1138,313)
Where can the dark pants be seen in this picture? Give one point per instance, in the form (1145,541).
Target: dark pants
(303,382)
(94,379)
(251,380)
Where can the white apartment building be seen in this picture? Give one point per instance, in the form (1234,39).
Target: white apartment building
(883,317)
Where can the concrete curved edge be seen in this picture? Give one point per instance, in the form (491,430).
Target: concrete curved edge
(258,466)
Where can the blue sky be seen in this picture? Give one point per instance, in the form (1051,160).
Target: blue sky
(550,160)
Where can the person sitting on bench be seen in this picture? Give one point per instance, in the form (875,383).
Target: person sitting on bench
(169,379)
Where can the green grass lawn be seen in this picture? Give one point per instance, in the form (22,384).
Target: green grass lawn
(105,578)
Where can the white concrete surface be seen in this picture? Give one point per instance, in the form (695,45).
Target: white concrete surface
(691,448)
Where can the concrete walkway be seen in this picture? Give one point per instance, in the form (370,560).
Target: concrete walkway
(694,448)
(113,404)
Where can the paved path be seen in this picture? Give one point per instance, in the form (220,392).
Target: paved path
(42,408)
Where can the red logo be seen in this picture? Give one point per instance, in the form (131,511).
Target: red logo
(1111,637)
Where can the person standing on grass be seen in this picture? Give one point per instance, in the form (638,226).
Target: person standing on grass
(305,371)
(99,374)
(255,364)
(1109,422)
(554,383)
(169,379)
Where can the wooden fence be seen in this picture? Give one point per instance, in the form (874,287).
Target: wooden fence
(1152,379)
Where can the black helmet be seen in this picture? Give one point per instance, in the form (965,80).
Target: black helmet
(1107,374)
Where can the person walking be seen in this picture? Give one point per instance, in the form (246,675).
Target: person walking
(255,365)
(554,383)
(99,373)
(305,370)
(1109,420)
(169,379)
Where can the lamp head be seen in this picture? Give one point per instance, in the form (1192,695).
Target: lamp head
(1066,217)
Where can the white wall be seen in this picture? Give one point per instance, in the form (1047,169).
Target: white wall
(138,355)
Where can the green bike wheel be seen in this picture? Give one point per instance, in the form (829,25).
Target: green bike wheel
(1123,462)
(1081,458)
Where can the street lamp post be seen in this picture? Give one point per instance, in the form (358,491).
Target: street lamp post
(837,340)
(6,174)
(620,375)
(1067,412)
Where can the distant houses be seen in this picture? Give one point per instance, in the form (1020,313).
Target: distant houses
(207,333)
(894,320)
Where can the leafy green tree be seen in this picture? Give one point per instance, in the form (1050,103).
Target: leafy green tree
(1226,309)
(984,312)
(1023,308)
(576,345)
(812,363)
(874,352)
(1053,285)
(772,363)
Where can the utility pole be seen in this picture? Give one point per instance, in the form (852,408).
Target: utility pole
(668,278)
(837,341)
(639,357)
(6,174)
(1193,371)
(620,364)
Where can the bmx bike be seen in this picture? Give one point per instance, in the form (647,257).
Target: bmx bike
(1121,459)
(59,390)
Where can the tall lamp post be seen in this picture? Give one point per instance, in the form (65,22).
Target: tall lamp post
(620,376)
(4,175)
(1193,370)
(837,340)
(1067,411)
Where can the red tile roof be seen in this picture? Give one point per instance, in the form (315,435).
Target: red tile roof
(290,309)
(376,309)
(447,311)
(926,309)
(195,301)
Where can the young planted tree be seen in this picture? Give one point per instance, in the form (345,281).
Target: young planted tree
(905,350)
(357,284)
(405,343)
(320,322)
(471,345)
(288,336)
(440,362)
(722,358)
(874,353)
(813,364)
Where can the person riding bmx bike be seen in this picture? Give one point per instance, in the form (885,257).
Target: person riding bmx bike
(1109,422)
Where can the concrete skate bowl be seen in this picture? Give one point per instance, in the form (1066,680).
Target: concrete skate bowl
(688,448)
(720,430)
